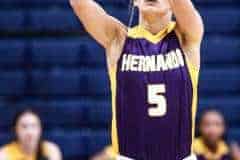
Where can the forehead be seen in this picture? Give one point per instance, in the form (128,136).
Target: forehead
(212,116)
(28,118)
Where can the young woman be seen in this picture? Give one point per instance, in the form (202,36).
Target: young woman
(210,145)
(28,144)
(153,69)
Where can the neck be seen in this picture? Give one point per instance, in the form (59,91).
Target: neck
(26,149)
(213,147)
(154,24)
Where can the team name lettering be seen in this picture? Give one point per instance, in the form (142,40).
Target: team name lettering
(140,63)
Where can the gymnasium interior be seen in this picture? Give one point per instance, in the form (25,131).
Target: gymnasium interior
(48,61)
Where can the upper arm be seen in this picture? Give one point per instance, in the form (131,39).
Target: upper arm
(101,26)
(189,22)
(52,151)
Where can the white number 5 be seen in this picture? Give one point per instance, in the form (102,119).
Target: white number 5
(156,97)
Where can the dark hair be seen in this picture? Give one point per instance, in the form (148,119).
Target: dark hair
(203,113)
(210,110)
(19,114)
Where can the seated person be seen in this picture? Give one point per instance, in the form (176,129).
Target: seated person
(210,145)
(28,144)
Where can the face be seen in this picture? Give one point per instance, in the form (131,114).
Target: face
(150,7)
(28,129)
(212,127)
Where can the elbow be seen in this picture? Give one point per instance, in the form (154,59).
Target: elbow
(73,2)
(201,27)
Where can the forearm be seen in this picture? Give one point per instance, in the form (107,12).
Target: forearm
(180,3)
(86,8)
(182,8)
(91,15)
(80,3)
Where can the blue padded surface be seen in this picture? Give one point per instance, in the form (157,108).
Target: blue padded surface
(64,20)
(12,83)
(12,52)
(54,20)
(67,52)
(233,135)
(219,80)
(12,20)
(55,82)
(221,49)
(217,20)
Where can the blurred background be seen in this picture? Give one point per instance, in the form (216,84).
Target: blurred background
(48,62)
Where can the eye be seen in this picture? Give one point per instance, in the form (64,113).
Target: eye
(24,126)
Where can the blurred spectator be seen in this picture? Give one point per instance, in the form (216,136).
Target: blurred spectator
(235,151)
(28,144)
(210,145)
(106,154)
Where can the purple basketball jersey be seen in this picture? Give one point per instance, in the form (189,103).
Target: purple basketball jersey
(154,97)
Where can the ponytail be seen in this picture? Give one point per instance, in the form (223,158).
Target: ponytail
(40,151)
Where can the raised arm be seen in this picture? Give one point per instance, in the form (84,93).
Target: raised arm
(97,22)
(189,21)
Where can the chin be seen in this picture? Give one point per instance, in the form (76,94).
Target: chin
(153,11)
(150,8)
(30,143)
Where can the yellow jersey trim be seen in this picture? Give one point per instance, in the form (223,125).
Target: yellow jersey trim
(139,31)
(13,152)
(115,145)
(201,149)
(194,75)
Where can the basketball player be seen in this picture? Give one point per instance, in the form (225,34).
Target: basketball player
(28,144)
(153,69)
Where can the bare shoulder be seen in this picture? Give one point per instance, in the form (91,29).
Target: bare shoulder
(114,50)
(52,151)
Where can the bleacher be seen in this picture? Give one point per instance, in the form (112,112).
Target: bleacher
(49,62)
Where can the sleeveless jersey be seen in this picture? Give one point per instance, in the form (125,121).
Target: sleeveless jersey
(154,97)
(204,153)
(13,152)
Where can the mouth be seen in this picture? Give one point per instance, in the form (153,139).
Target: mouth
(150,2)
